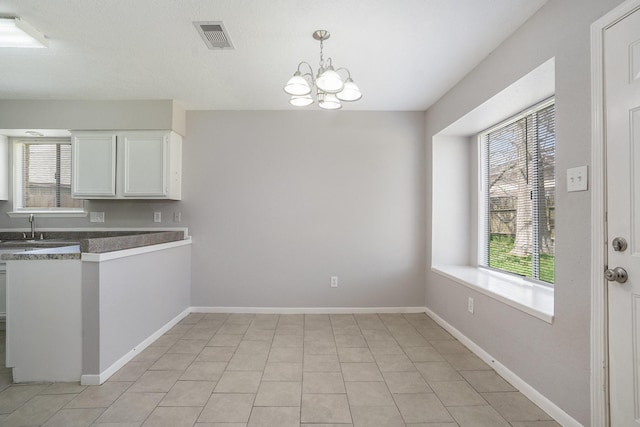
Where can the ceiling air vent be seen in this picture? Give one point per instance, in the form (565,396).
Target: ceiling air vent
(214,34)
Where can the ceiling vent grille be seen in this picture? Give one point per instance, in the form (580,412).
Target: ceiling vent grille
(214,34)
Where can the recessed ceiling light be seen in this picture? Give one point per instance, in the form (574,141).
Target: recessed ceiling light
(15,32)
(34,133)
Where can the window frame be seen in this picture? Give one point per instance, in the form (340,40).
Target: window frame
(18,184)
(483,211)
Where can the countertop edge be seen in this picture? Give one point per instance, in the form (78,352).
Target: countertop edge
(106,256)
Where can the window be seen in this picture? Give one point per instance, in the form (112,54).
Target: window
(43,176)
(519,195)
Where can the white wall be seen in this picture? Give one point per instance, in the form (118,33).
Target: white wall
(278,202)
(554,359)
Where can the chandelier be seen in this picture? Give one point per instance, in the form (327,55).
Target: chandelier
(329,87)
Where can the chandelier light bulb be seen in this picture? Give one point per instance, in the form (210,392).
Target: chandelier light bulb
(350,93)
(328,101)
(297,85)
(302,100)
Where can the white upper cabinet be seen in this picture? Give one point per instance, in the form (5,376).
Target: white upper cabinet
(134,165)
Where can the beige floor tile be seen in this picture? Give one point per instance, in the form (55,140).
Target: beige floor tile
(433,334)
(486,381)
(385,347)
(189,393)
(377,335)
(131,407)
(188,346)
(233,328)
(74,417)
(131,371)
(361,372)
(199,333)
(477,416)
(172,417)
(325,408)
(247,362)
(173,362)
(37,410)
(274,417)
(283,354)
(466,362)
(15,396)
(204,371)
(326,425)
(224,340)
(448,346)
(259,335)
(150,354)
(432,424)
(254,347)
(423,354)
(100,396)
(217,425)
(406,382)
(227,408)
(287,341)
(289,330)
(514,406)
(421,408)
(216,354)
(323,382)
(355,355)
(192,319)
(156,381)
(394,363)
(278,393)
(167,340)
(350,341)
(437,371)
(64,388)
(321,363)
(322,334)
(411,340)
(320,347)
(277,371)
(456,393)
(368,394)
(239,382)
(382,416)
(535,424)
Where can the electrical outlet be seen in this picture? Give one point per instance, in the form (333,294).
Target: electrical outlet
(177,216)
(470,305)
(334,281)
(96,216)
(157,217)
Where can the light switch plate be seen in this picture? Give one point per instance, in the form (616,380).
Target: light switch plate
(157,217)
(578,179)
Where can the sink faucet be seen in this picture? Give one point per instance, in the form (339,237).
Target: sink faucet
(32,221)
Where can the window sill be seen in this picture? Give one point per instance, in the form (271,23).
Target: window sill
(48,214)
(535,300)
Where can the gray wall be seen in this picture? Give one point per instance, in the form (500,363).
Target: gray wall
(554,359)
(278,202)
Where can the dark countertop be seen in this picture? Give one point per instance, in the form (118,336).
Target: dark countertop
(70,245)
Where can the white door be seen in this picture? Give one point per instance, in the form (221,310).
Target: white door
(622,127)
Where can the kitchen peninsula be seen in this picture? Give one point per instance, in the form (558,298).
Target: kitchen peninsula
(79,309)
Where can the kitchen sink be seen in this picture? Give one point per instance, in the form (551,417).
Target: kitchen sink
(37,243)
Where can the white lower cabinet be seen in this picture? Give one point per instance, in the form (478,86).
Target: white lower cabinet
(127,165)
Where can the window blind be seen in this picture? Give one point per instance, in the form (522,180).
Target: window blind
(46,176)
(520,195)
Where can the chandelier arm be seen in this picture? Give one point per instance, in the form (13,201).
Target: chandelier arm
(345,69)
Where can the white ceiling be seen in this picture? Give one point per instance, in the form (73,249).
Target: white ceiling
(403,54)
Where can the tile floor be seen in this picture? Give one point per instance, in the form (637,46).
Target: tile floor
(286,370)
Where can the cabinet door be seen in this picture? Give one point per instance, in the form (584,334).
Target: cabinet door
(94,165)
(145,161)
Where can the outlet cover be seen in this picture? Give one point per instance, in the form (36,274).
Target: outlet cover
(334,281)
(470,305)
(577,179)
(157,217)
(96,216)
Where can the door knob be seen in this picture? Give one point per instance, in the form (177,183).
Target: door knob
(619,244)
(617,274)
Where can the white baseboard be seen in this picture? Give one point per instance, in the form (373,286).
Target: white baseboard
(307,310)
(531,393)
(104,375)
